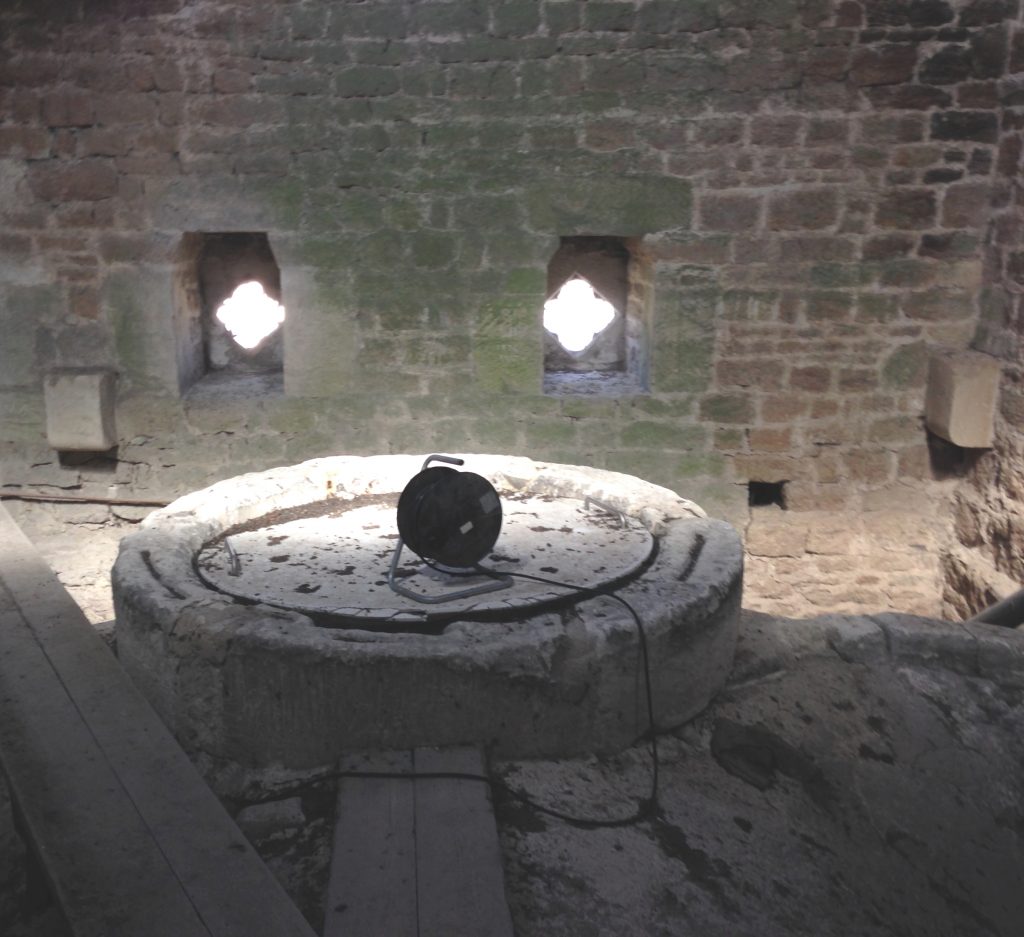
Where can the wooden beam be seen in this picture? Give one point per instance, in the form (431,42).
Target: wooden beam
(99,722)
(99,857)
(416,857)
(460,883)
(372,889)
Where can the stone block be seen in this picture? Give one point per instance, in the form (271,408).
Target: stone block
(507,365)
(808,209)
(938,305)
(727,408)
(908,97)
(1000,653)
(681,362)
(988,52)
(775,130)
(907,208)
(855,639)
(883,65)
(86,180)
(949,66)
(965,206)
(775,537)
(811,378)
(931,643)
(625,205)
(648,434)
(80,409)
(965,125)
(729,212)
(960,401)
(904,367)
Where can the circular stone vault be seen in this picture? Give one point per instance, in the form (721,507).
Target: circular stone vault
(258,617)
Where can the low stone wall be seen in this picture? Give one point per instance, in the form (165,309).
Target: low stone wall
(248,688)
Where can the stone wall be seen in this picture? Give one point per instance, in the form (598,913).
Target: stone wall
(986,560)
(810,184)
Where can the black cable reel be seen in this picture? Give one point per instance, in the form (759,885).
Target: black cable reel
(451,520)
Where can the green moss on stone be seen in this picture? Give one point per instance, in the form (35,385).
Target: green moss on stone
(838,276)
(495,434)
(25,314)
(650,465)
(324,252)
(727,438)
(589,408)
(288,414)
(877,307)
(648,434)
(141,317)
(546,433)
(719,497)
(22,419)
(529,280)
(433,250)
(507,365)
(695,464)
(382,253)
(906,366)
(517,17)
(514,248)
(681,362)
(660,406)
(727,408)
(285,197)
(508,316)
(623,205)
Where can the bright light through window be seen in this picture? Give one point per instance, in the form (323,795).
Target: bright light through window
(575,314)
(250,315)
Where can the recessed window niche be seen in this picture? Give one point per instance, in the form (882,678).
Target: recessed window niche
(595,317)
(766,494)
(228,293)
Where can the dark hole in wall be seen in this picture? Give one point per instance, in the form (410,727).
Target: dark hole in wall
(603,261)
(948,460)
(102,462)
(765,494)
(225,261)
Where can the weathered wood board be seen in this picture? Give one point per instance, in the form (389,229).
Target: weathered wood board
(131,838)
(416,857)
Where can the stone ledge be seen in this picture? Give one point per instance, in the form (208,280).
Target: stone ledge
(263,687)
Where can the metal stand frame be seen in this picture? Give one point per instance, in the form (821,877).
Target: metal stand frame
(492,585)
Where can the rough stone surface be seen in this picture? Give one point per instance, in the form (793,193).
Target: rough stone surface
(80,410)
(865,750)
(985,561)
(960,404)
(551,681)
(811,188)
(812,791)
(335,562)
(807,563)
(838,768)
(818,194)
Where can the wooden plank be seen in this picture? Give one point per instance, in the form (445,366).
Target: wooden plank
(90,840)
(460,881)
(372,888)
(230,887)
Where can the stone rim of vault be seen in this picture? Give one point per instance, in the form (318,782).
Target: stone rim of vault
(557,684)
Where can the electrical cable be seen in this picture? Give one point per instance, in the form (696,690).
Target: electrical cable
(82,499)
(645,807)
(649,805)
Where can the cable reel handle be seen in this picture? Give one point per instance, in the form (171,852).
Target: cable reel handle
(450,459)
